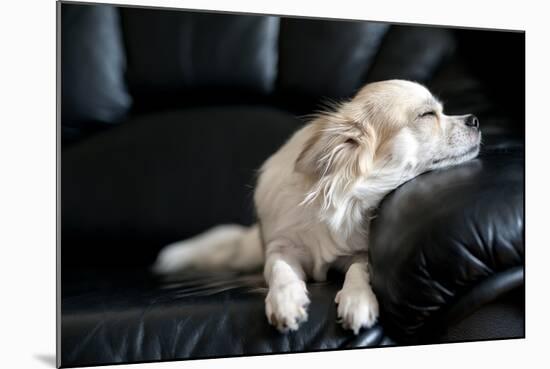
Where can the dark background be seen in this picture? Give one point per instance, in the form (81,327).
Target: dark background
(166,114)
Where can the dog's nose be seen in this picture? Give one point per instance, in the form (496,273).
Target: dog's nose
(472,121)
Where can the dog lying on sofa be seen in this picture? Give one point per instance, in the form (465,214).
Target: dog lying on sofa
(315,197)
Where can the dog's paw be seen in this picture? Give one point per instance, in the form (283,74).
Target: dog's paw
(357,308)
(286,306)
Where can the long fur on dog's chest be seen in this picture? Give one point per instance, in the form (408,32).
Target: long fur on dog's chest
(324,235)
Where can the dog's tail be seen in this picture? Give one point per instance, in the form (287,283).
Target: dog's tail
(225,247)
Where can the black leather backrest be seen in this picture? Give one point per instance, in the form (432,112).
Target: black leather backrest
(182,58)
(326,57)
(412,52)
(178,58)
(175,52)
(93,63)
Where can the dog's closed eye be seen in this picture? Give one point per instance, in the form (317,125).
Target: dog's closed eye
(430,113)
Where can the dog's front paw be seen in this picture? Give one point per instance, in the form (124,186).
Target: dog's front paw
(357,308)
(286,306)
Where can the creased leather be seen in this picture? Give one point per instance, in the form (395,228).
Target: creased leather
(442,233)
(115,316)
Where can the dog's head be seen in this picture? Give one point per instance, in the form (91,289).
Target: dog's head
(390,132)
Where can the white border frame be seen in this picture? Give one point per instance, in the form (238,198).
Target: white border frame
(28,186)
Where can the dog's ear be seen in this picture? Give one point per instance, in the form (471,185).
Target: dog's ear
(344,149)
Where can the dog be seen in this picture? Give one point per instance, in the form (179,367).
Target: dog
(316,195)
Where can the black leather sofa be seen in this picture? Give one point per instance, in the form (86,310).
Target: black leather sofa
(166,114)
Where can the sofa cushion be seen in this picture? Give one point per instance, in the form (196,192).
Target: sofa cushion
(452,237)
(412,52)
(124,316)
(93,62)
(163,177)
(326,58)
(177,55)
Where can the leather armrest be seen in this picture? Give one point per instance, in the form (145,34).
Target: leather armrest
(448,242)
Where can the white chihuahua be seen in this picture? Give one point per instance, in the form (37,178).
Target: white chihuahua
(315,196)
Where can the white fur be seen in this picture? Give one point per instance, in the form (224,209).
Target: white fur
(287,300)
(357,304)
(230,246)
(315,195)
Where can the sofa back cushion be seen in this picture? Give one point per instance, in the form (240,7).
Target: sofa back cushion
(180,58)
(327,58)
(179,54)
(93,62)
